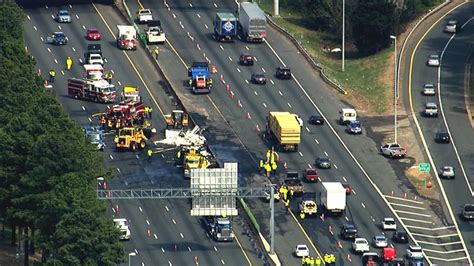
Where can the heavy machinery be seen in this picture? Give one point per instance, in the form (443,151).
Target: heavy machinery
(127,37)
(225,26)
(200,79)
(92,90)
(285,129)
(178,119)
(252,22)
(193,160)
(308,203)
(219,228)
(130,138)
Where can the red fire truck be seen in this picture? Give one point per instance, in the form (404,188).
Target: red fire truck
(92,90)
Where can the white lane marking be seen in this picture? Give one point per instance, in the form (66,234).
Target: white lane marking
(137,156)
(83,108)
(147,222)
(118,170)
(255,92)
(222,48)
(52,16)
(307,129)
(155,236)
(199,16)
(301,154)
(169,263)
(163,250)
(215,248)
(34,27)
(347,219)
(191,5)
(430,236)
(119,83)
(407,206)
(166,207)
(271,81)
(143,264)
(246,48)
(279,92)
(205,25)
(264,71)
(70,6)
(230,58)
(408,200)
(62,72)
(136,251)
(222,261)
(353,191)
(55,60)
(46,6)
(174,221)
(42,39)
(442,244)
(215,5)
(238,69)
(181,234)
(113,209)
(77,16)
(363,205)
(90,119)
(49,50)
(315,140)
(246,81)
(325,153)
(255,59)
(80,60)
(140,208)
(189,248)
(112,71)
(59,27)
(264,105)
(289,104)
(335,166)
(413,213)
(111,157)
(73,49)
(28,17)
(84,27)
(105,60)
(344,178)
(416,220)
(309,165)
(181,24)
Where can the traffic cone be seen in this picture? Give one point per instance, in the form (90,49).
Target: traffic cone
(45,84)
(39,72)
(227,87)
(330,230)
(213,69)
(26,49)
(349,258)
(196,261)
(285,166)
(322,217)
(405,196)
(148,233)
(239,104)
(429,185)
(339,245)
(105,185)
(117,208)
(414,197)
(221,77)
(248,116)
(257,128)
(391,194)
(232,94)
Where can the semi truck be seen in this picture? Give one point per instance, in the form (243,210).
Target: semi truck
(225,27)
(285,129)
(154,32)
(127,37)
(252,22)
(333,197)
(200,80)
(91,90)
(219,228)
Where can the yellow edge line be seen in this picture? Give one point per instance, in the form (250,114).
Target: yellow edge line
(242,249)
(307,237)
(131,63)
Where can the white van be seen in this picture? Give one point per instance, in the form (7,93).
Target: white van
(347,115)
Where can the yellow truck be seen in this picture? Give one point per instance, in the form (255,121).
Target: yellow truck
(285,129)
(193,160)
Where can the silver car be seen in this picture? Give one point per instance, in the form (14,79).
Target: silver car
(379,241)
(433,60)
(447,172)
(429,89)
(63,16)
(451,26)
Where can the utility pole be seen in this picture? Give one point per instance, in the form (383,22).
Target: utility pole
(343,32)
(276,8)
(272,219)
(395,85)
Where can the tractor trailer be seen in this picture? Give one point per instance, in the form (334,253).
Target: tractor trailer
(252,22)
(285,129)
(225,27)
(333,197)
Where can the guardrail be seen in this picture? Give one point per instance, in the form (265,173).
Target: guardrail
(308,57)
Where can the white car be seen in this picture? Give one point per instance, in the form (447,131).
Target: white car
(95,59)
(433,60)
(431,109)
(144,15)
(447,172)
(389,224)
(302,251)
(360,245)
(414,252)
(451,26)
(122,225)
(300,121)
(429,89)
(380,241)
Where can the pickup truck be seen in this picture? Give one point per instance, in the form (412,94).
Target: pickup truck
(393,150)
(431,109)
(294,184)
(144,15)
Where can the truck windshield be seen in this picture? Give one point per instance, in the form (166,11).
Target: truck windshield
(109,89)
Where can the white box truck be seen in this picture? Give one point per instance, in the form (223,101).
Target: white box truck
(252,22)
(126,37)
(333,197)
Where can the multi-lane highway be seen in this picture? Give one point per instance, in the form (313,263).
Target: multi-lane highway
(163,232)
(450,81)
(188,25)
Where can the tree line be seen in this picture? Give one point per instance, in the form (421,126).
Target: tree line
(369,23)
(47,170)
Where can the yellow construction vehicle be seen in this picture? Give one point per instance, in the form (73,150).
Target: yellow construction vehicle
(130,138)
(193,160)
(176,120)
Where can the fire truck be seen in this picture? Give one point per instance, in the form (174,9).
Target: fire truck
(91,90)
(93,72)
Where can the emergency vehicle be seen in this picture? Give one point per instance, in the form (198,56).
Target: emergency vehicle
(93,72)
(92,90)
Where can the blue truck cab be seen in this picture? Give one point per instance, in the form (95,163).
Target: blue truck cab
(225,27)
(200,81)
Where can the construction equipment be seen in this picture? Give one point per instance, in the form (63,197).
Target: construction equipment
(200,81)
(308,204)
(285,129)
(131,93)
(130,138)
(127,37)
(92,90)
(193,160)
(178,119)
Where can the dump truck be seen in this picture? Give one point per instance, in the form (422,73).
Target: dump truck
(127,37)
(178,119)
(91,90)
(154,32)
(130,138)
(225,26)
(252,22)
(219,228)
(308,203)
(193,160)
(200,80)
(285,129)
(333,197)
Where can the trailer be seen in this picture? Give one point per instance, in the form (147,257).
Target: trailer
(225,26)
(252,22)
(285,129)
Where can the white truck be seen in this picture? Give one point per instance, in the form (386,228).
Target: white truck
(154,32)
(252,22)
(333,197)
(144,15)
(347,115)
(127,37)
(122,225)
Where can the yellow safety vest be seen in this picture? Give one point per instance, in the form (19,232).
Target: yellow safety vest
(52,73)
(150,152)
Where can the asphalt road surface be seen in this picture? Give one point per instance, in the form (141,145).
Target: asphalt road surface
(450,84)
(162,232)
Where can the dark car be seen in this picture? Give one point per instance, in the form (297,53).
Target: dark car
(323,162)
(349,231)
(468,211)
(294,184)
(316,120)
(348,188)
(310,175)
(283,73)
(400,237)
(57,38)
(442,137)
(416,262)
(354,127)
(246,60)
(371,259)
(258,78)
(397,262)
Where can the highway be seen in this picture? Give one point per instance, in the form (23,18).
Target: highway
(162,232)
(450,80)
(188,26)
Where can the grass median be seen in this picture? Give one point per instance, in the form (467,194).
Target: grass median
(363,76)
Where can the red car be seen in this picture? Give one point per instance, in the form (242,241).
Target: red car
(388,254)
(310,175)
(93,34)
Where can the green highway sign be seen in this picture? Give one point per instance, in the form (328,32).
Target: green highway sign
(424,167)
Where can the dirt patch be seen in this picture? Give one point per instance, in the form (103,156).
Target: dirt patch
(422,181)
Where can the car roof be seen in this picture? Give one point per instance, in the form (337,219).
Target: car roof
(429,85)
(283,68)
(380,237)
(301,246)
(434,56)
(388,219)
(360,239)
(415,247)
(92,29)
(431,104)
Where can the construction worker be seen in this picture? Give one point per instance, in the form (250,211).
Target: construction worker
(145,112)
(333,259)
(150,110)
(327,259)
(209,82)
(285,193)
(103,122)
(317,262)
(308,261)
(260,166)
(157,52)
(292,193)
(118,124)
(110,124)
(190,82)
(287,202)
(108,77)
(149,153)
(303,261)
(268,169)
(268,156)
(68,63)
(302,215)
(274,168)
(52,74)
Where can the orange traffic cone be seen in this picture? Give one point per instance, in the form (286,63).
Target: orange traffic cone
(429,185)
